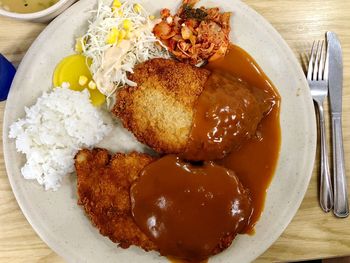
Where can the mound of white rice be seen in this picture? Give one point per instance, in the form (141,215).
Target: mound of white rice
(54,129)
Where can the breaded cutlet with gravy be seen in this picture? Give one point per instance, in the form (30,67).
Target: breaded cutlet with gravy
(160,110)
(104,183)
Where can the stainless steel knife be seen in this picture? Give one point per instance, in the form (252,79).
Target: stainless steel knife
(335,86)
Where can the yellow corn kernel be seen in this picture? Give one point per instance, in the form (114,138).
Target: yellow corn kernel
(122,34)
(137,8)
(127,24)
(120,12)
(82,80)
(116,4)
(112,36)
(111,39)
(152,17)
(78,45)
(115,31)
(92,84)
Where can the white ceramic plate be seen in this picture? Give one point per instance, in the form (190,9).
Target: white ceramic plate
(61,223)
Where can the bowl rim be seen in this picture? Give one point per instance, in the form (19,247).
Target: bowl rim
(37,14)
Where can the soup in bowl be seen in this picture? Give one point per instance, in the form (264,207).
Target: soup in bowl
(26,6)
(33,10)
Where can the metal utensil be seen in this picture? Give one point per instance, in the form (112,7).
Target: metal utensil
(341,206)
(317,76)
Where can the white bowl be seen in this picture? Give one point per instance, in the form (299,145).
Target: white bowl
(43,15)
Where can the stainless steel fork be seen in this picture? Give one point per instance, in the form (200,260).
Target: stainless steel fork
(317,76)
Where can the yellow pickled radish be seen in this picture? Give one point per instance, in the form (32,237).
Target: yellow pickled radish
(70,69)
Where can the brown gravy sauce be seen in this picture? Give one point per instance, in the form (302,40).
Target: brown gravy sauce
(187,209)
(227,113)
(174,201)
(255,161)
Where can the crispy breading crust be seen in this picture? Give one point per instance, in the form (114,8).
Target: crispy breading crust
(103,191)
(159,111)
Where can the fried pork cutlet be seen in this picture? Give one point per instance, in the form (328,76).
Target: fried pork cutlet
(159,111)
(173,98)
(103,191)
(104,183)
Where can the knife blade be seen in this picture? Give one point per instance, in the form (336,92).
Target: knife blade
(335,86)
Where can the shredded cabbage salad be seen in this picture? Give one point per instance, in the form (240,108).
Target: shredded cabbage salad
(119,37)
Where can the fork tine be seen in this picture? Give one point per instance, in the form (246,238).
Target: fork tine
(314,77)
(326,64)
(311,62)
(321,64)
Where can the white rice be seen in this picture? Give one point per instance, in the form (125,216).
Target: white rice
(55,128)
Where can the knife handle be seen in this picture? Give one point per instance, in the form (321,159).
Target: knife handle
(326,191)
(341,206)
